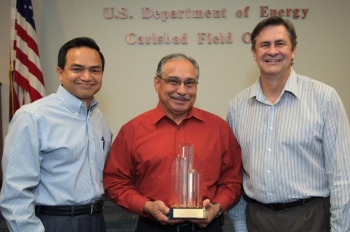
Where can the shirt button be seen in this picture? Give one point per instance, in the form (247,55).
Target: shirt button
(268,171)
(269,149)
(271,127)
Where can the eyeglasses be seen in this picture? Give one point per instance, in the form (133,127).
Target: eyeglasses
(176,82)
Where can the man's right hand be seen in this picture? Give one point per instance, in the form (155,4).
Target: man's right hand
(159,211)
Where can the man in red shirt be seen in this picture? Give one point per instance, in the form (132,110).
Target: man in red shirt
(138,172)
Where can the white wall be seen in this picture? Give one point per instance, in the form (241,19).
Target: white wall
(225,69)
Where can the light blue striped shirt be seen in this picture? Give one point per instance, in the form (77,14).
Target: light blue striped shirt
(297,148)
(54,154)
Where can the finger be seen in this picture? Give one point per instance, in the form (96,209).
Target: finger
(206,202)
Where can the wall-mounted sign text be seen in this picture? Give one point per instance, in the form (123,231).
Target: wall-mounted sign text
(154,38)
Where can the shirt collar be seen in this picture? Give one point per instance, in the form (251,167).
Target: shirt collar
(192,113)
(290,86)
(73,103)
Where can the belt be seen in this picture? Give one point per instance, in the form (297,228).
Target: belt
(180,227)
(70,210)
(281,206)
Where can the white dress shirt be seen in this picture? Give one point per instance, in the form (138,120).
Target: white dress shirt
(296,148)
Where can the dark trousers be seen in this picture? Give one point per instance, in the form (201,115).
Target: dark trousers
(313,216)
(149,225)
(86,223)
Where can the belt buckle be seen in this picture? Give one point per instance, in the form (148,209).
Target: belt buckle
(184,227)
(279,207)
(97,204)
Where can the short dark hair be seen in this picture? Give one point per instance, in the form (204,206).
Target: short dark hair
(74,43)
(274,21)
(175,56)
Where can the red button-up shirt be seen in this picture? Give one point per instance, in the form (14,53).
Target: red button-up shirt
(139,167)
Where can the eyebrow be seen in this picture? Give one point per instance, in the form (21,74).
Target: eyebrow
(187,78)
(275,41)
(82,66)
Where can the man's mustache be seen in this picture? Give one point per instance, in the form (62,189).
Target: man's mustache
(178,97)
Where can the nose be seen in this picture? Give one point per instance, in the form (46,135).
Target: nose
(86,75)
(181,89)
(272,50)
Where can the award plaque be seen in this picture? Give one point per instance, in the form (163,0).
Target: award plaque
(186,186)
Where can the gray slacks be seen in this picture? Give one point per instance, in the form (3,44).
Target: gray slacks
(81,223)
(313,216)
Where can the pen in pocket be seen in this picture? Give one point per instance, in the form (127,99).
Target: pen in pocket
(103,142)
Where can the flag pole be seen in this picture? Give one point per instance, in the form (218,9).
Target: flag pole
(11,89)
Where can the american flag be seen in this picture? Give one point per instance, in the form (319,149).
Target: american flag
(26,78)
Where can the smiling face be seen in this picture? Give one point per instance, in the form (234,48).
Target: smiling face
(82,73)
(273,52)
(176,100)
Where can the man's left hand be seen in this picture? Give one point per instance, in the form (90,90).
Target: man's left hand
(212,211)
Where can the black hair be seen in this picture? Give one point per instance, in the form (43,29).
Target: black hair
(78,42)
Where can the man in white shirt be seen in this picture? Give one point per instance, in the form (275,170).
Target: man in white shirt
(56,149)
(295,140)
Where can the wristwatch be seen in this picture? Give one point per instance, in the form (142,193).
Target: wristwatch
(220,208)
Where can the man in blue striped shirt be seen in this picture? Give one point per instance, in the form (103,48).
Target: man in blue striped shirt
(295,140)
(56,149)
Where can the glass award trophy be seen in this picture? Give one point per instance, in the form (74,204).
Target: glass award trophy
(186,186)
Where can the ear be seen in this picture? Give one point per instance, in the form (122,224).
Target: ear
(294,51)
(253,52)
(59,73)
(156,82)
